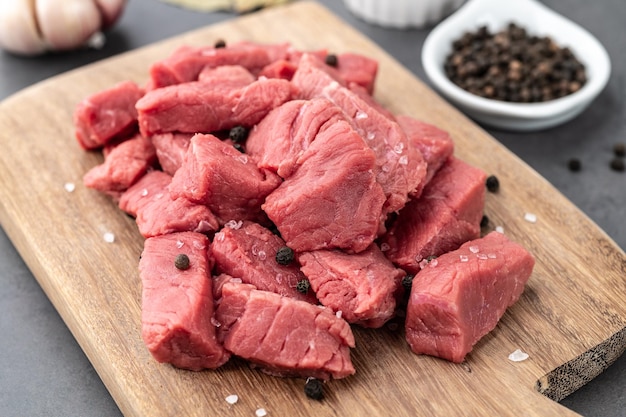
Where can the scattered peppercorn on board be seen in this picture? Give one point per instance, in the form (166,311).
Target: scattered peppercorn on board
(571,319)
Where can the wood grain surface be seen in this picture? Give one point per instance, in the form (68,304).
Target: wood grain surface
(571,319)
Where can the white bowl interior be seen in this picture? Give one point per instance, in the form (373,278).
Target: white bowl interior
(538,20)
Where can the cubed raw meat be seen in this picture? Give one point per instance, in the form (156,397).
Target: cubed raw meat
(361,286)
(447,214)
(332,200)
(157,213)
(247,250)
(222,178)
(107,115)
(460,296)
(284,336)
(123,166)
(177,304)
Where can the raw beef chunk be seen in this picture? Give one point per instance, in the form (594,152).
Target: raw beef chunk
(123,165)
(228,182)
(447,214)
(226,77)
(196,107)
(461,296)
(248,251)
(157,213)
(360,286)
(177,304)
(332,200)
(435,144)
(282,69)
(106,115)
(358,69)
(286,132)
(283,336)
(400,168)
(171,149)
(187,62)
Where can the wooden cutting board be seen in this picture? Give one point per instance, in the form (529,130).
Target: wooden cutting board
(571,319)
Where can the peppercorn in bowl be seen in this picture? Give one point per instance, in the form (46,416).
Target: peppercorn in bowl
(515,65)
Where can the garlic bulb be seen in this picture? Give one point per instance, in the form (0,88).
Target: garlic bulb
(32,27)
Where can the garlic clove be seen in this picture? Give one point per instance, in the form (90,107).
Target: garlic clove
(67,24)
(18,28)
(110,10)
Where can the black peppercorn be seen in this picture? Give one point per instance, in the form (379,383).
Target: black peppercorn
(617,164)
(238,134)
(619,149)
(313,389)
(220,43)
(484,221)
(303,286)
(574,165)
(182,261)
(284,255)
(331,60)
(407,281)
(492,183)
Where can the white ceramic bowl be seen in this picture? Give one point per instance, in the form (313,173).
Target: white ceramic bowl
(538,20)
(402,13)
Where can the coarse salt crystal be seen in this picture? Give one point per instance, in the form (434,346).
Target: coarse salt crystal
(518,356)
(179,244)
(232,399)
(371,135)
(530,217)
(69,187)
(499,229)
(360,115)
(398,148)
(243,159)
(215,323)
(463,258)
(404,160)
(433,263)
(108,237)
(338,314)
(491,255)
(144,192)
(262,255)
(260,412)
(234,224)
(384,247)
(474,249)
(482,256)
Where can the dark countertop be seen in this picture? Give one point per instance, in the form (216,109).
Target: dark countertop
(45,373)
